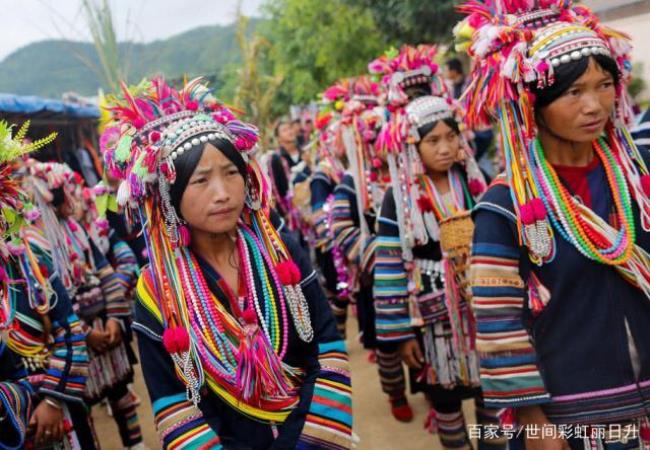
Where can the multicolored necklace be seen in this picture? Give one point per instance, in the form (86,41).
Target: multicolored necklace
(241,351)
(437,203)
(567,216)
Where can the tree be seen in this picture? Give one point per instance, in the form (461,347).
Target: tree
(316,42)
(249,85)
(413,21)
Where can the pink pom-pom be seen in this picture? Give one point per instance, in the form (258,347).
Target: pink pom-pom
(139,122)
(249,316)
(376,163)
(32,215)
(283,273)
(193,105)
(288,272)
(218,117)
(539,210)
(240,143)
(542,66)
(73,226)
(645,185)
(373,177)
(176,340)
(527,214)
(154,136)
(184,235)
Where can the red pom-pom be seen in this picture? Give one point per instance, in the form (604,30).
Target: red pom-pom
(507,417)
(192,106)
(425,204)
(527,214)
(176,340)
(376,163)
(249,316)
(476,187)
(164,168)
(539,210)
(3,275)
(44,270)
(645,184)
(139,123)
(373,177)
(154,137)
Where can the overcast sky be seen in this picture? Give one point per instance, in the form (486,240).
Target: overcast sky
(27,21)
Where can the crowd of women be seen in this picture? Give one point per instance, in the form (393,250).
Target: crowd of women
(526,292)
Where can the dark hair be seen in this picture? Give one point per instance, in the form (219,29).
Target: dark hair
(276,130)
(417,90)
(449,121)
(456,65)
(296,121)
(186,163)
(567,74)
(58,197)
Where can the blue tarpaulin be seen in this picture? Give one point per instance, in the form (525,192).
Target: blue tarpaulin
(30,105)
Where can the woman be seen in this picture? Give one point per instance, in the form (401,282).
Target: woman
(326,176)
(560,257)
(421,297)
(41,328)
(353,214)
(237,344)
(97,292)
(16,394)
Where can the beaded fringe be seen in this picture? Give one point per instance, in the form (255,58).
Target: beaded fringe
(446,367)
(106,369)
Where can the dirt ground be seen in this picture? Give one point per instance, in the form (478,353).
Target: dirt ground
(373,423)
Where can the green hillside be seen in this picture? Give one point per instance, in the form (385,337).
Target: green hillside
(52,67)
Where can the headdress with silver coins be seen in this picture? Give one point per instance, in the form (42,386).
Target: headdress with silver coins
(153,124)
(517,46)
(399,139)
(410,66)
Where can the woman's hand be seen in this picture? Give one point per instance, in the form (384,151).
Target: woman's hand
(534,415)
(114,331)
(411,353)
(98,340)
(47,424)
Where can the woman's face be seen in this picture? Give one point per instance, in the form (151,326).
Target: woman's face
(581,113)
(439,148)
(214,197)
